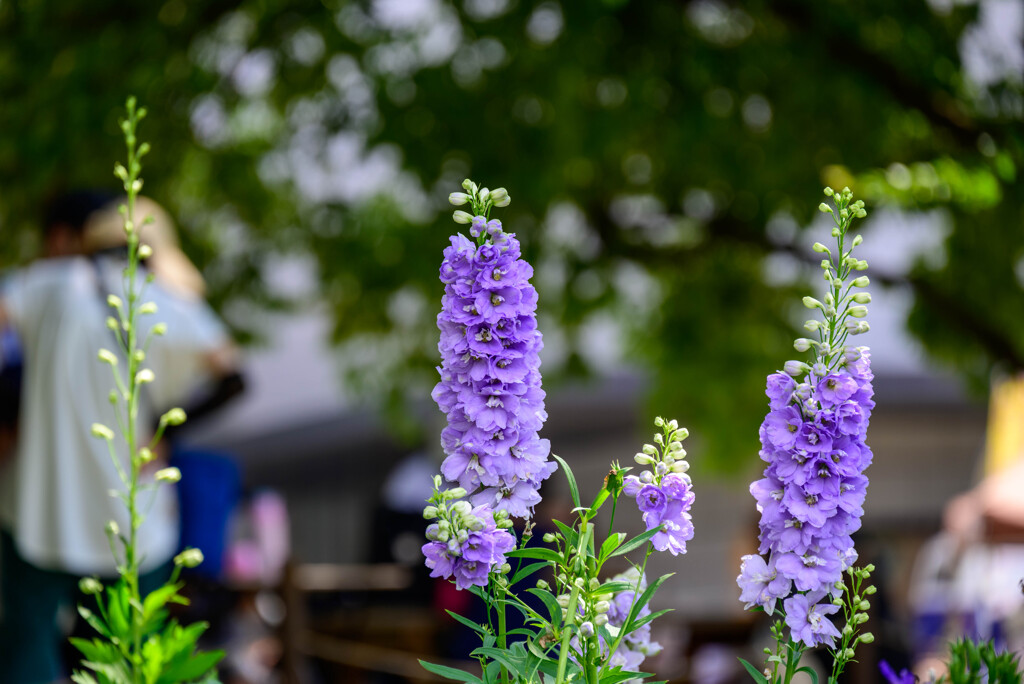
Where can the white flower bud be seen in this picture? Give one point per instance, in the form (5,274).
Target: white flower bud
(175,416)
(587,629)
(650,449)
(462,508)
(457,493)
(862,297)
(168,475)
(102,431)
(646,477)
(602,607)
(189,558)
(458,199)
(859,239)
(866,638)
(861,265)
(549,537)
(680,466)
(460,216)
(862,281)
(829,191)
(469,186)
(112,323)
(430,512)
(107,356)
(90,586)
(824,208)
(542,585)
(659,422)
(643,459)
(820,248)
(812,303)
(160,329)
(148,308)
(114,302)
(112,529)
(802,344)
(858,311)
(500,197)
(146,455)
(563,601)
(145,251)
(795,368)
(145,375)
(812,325)
(601,619)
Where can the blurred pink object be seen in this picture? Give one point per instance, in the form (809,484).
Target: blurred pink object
(262,547)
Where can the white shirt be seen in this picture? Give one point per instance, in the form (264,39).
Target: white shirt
(55,494)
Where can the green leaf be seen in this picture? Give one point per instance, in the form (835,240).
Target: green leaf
(537,552)
(810,673)
(159,598)
(94,621)
(636,541)
(571,536)
(610,544)
(643,601)
(573,489)
(615,676)
(193,668)
(527,571)
(475,626)
(554,610)
(754,672)
(450,673)
(640,622)
(96,650)
(83,678)
(614,587)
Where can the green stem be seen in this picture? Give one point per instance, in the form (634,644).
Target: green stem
(502,637)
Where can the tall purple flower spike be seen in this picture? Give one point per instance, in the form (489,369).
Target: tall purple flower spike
(490,387)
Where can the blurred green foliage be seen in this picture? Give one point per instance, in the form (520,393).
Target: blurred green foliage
(656,152)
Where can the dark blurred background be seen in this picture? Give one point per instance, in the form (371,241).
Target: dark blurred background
(665,161)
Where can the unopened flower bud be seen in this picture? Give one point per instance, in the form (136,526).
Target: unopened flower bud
(90,586)
(860,618)
(168,475)
(145,251)
(829,191)
(112,529)
(102,431)
(862,297)
(146,455)
(145,375)
(866,638)
(563,601)
(650,449)
(858,311)
(862,281)
(160,329)
(848,630)
(861,265)
(549,537)
(602,607)
(505,569)
(458,198)
(646,477)
(812,303)
(801,344)
(659,422)
(820,248)
(148,308)
(500,197)
(430,512)
(848,654)
(864,605)
(469,186)
(680,466)
(112,323)
(462,508)
(858,240)
(112,398)
(594,584)
(869,590)
(681,434)
(542,585)
(601,619)
(175,416)
(824,208)
(643,459)
(457,493)
(812,325)
(460,216)
(107,356)
(795,368)
(189,558)
(114,302)
(587,629)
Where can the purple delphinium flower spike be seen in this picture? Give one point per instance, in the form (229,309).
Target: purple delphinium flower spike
(813,442)
(664,494)
(490,385)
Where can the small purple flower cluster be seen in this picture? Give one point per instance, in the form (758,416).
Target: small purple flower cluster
(490,384)
(637,645)
(467,544)
(812,493)
(665,495)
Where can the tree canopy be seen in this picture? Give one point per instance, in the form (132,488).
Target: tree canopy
(659,155)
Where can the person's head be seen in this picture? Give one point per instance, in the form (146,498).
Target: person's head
(65,219)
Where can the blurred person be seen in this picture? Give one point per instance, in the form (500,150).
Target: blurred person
(55,497)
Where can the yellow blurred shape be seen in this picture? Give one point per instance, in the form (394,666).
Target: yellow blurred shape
(1004,443)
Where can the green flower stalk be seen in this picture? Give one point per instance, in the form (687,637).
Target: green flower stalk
(138,643)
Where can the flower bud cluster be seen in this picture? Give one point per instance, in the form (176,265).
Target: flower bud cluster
(490,386)
(813,440)
(467,543)
(664,492)
(612,610)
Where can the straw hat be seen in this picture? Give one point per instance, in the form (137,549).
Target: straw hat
(170,266)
